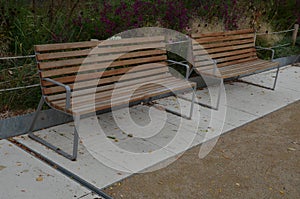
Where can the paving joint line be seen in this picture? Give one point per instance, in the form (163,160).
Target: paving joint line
(61,169)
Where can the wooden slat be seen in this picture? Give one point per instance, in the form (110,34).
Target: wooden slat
(109,87)
(104,104)
(219,56)
(119,91)
(220,65)
(198,46)
(223,49)
(73,45)
(77,53)
(93,58)
(241,56)
(63,54)
(93,83)
(249,70)
(100,105)
(96,75)
(243,64)
(128,48)
(224,38)
(213,34)
(239,69)
(90,67)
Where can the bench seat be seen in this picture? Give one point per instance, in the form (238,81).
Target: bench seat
(239,69)
(102,99)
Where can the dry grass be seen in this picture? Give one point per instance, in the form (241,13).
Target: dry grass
(268,40)
(10,113)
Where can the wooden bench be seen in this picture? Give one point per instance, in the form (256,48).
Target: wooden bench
(230,54)
(83,77)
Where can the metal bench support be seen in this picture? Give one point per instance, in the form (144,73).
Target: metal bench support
(259,85)
(72,156)
(189,117)
(214,107)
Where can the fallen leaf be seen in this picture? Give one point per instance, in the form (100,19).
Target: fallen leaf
(2,167)
(237,184)
(39,179)
(291,149)
(281,192)
(111,137)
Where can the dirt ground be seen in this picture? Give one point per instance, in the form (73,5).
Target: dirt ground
(258,160)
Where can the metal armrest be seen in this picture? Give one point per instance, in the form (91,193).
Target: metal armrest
(264,48)
(182,64)
(66,87)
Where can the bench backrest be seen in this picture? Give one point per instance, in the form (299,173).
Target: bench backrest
(61,62)
(226,48)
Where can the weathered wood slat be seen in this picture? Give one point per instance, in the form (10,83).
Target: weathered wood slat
(107,104)
(73,45)
(213,34)
(98,82)
(249,70)
(102,56)
(199,46)
(103,73)
(223,38)
(118,92)
(237,61)
(91,67)
(223,49)
(239,69)
(109,87)
(235,57)
(86,52)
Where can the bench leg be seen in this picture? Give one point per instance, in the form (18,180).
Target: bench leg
(216,107)
(177,113)
(72,156)
(262,86)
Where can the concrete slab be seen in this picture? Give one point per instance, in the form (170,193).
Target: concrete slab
(86,166)
(23,176)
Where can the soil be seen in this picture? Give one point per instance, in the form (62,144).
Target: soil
(11,113)
(258,160)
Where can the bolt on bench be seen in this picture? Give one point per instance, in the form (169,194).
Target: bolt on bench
(229,54)
(81,78)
